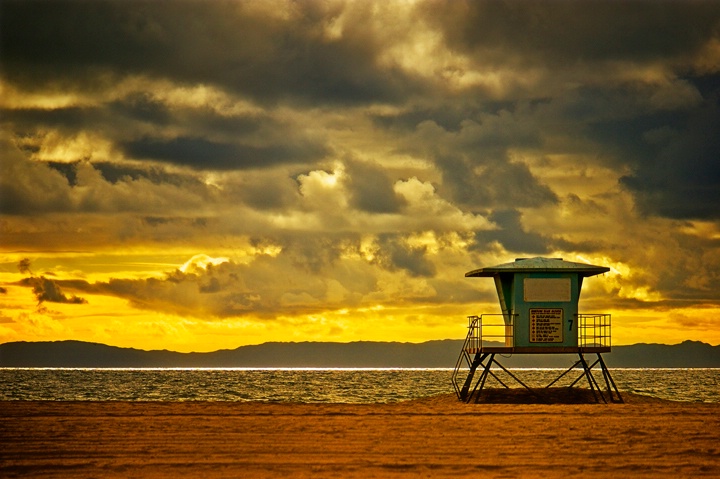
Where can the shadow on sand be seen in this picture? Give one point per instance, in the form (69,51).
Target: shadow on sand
(536,396)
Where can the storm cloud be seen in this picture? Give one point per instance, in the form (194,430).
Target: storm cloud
(48,290)
(346,157)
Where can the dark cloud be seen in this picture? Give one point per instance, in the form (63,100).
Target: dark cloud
(658,126)
(126,174)
(395,254)
(676,172)
(371,189)
(452,113)
(449,117)
(142,107)
(497,184)
(478,171)
(314,253)
(412,260)
(263,190)
(517,239)
(200,153)
(27,187)
(117,172)
(30,187)
(48,290)
(512,236)
(155,221)
(670,146)
(24,266)
(566,33)
(68,170)
(134,111)
(250,141)
(230,44)
(66,118)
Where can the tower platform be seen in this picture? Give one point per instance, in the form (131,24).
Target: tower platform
(538,350)
(477,356)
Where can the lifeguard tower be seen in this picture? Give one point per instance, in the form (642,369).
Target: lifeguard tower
(539,303)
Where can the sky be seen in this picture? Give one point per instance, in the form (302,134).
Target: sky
(196,176)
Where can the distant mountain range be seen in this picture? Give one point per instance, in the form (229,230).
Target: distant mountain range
(431,354)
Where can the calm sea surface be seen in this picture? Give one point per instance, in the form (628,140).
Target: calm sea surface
(311,385)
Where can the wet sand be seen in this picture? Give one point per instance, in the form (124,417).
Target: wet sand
(433,437)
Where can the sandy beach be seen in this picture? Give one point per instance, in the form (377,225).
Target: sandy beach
(433,437)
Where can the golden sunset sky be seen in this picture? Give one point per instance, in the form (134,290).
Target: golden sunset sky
(196,176)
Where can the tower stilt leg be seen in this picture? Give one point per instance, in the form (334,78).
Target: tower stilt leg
(611,387)
(477,361)
(481,381)
(591,380)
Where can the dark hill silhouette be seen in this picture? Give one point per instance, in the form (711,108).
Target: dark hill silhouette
(431,354)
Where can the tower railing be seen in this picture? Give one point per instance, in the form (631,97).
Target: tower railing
(489,327)
(594,330)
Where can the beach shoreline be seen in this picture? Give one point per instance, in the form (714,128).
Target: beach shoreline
(437,436)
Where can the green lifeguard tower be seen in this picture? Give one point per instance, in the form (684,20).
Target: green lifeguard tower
(539,303)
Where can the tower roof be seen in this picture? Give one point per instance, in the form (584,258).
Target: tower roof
(539,265)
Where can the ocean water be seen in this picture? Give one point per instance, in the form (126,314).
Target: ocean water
(313,385)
